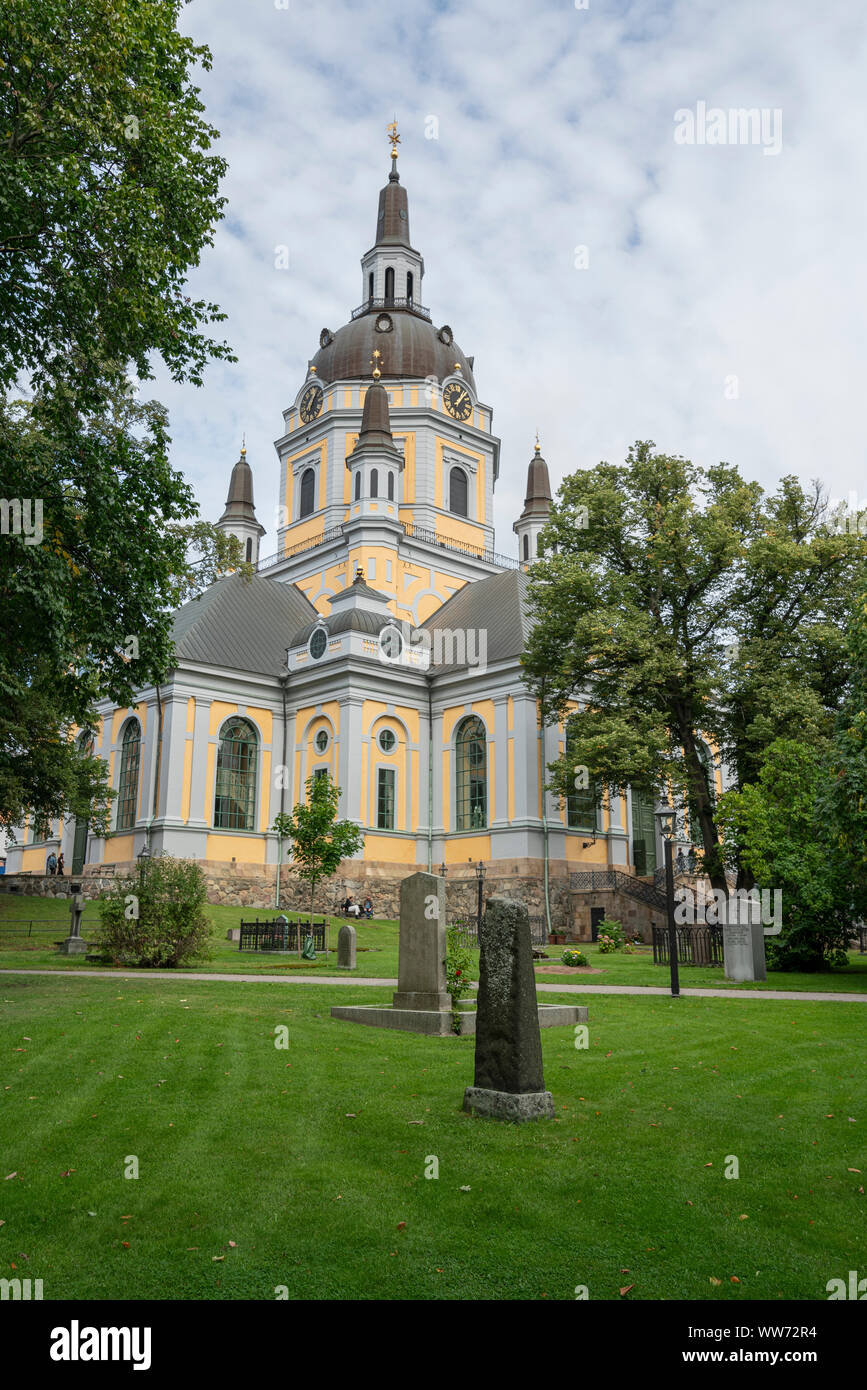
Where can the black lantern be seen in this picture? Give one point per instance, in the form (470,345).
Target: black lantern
(667,821)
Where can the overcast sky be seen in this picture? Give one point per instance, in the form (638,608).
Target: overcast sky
(721,309)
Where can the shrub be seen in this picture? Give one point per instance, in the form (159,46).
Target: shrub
(574,958)
(613,930)
(459,965)
(606,945)
(157,916)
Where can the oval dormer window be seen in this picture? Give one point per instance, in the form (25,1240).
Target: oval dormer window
(318,643)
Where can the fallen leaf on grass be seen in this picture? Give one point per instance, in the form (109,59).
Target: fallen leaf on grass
(125,1244)
(463,1189)
(714,1281)
(232,1245)
(625,1289)
(745,1217)
(735,1279)
(10,1175)
(401,1225)
(218,1257)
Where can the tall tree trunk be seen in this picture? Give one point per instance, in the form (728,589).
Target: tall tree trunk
(699,795)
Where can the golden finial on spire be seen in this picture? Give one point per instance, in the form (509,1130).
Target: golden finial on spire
(393,137)
(537,441)
(375,359)
(244,444)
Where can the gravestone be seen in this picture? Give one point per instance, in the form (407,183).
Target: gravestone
(509,1083)
(346,948)
(743,942)
(74,945)
(421,964)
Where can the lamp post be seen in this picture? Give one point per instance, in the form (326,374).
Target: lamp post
(143,856)
(667,825)
(480,877)
(443,869)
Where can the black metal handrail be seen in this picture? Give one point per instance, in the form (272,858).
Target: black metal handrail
(615,881)
(420,533)
(411,304)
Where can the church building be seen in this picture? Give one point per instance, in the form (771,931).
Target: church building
(381,644)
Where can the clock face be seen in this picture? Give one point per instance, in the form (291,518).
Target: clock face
(311,403)
(456,399)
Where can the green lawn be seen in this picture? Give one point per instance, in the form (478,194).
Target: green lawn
(378,953)
(299,1167)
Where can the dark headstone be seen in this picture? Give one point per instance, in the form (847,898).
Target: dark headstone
(509,1080)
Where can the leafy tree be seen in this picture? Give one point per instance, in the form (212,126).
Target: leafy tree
(108,195)
(86,613)
(776,827)
(158,916)
(843,800)
(653,573)
(319,840)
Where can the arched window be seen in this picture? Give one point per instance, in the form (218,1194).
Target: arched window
(389,283)
(308,485)
(409,285)
(127,790)
(374,483)
(370,285)
(391,487)
(235,795)
(471,769)
(526,546)
(249,555)
(458,492)
(357,486)
(581,802)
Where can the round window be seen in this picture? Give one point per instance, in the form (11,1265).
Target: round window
(321,740)
(387,740)
(318,643)
(390,643)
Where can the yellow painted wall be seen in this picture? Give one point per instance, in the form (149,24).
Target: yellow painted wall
(191,714)
(220,711)
(468,847)
(395,849)
(246,849)
(119,849)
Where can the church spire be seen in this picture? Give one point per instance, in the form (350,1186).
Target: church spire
(239,517)
(537,506)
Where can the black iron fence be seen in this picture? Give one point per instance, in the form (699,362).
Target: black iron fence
(695,945)
(280,936)
(37,931)
(468,935)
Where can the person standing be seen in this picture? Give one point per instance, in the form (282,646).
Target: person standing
(60,867)
(51,863)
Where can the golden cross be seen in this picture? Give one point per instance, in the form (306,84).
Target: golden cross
(393,137)
(375,360)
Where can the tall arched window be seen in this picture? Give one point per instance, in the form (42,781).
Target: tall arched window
(409,285)
(458,492)
(471,776)
(389,283)
(374,483)
(370,285)
(526,546)
(249,554)
(391,487)
(127,790)
(581,802)
(357,486)
(308,500)
(235,794)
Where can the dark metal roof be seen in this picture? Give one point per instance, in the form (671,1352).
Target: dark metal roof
(239,503)
(538,499)
(412,348)
(497,606)
(241,624)
(392,220)
(354,620)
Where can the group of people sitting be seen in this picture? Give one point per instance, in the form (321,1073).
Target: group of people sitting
(350,908)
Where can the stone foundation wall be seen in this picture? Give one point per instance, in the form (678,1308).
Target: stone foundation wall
(637,918)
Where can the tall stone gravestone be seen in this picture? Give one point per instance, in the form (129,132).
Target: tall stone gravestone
(421,965)
(743,941)
(509,1081)
(74,945)
(346,948)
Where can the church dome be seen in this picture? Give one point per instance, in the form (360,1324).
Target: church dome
(410,345)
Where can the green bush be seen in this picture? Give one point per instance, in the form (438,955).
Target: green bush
(459,965)
(157,916)
(574,958)
(611,936)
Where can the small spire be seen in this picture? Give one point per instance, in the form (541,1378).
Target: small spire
(538,450)
(394,140)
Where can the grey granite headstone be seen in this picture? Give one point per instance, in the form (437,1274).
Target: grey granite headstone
(74,945)
(509,1080)
(743,942)
(421,967)
(346,947)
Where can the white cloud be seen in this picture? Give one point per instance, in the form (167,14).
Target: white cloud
(555,129)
